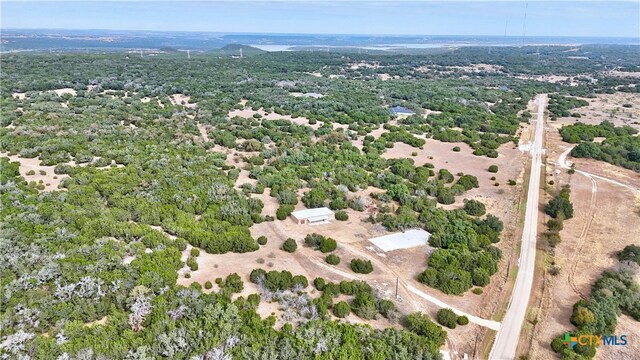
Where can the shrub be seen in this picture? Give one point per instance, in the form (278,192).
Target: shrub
(468,182)
(234,283)
(463,320)
(513,182)
(328,245)
(195,252)
(320,242)
(299,280)
(262,240)
(187,276)
(493,168)
(477,291)
(289,245)
(332,259)
(447,317)
(555,224)
(208,285)
(364,305)
(31,172)
(474,208)
(630,253)
(361,266)
(192,263)
(422,325)
(341,215)
(319,283)
(341,309)
(284,211)
(385,307)
(456,148)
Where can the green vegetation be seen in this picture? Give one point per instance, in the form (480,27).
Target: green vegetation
(447,317)
(559,105)
(289,245)
(474,208)
(614,292)
(341,215)
(109,243)
(332,259)
(493,169)
(361,266)
(341,309)
(560,206)
(621,147)
(319,242)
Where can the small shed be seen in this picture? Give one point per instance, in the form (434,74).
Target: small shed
(313,216)
(400,112)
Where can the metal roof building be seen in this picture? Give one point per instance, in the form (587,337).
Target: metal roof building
(402,240)
(400,111)
(312,216)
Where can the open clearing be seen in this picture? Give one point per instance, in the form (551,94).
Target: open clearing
(608,107)
(610,220)
(49,178)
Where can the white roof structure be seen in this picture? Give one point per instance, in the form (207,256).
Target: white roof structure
(312,213)
(402,240)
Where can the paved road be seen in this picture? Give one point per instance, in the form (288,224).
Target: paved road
(507,338)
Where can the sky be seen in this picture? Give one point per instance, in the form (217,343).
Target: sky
(543,18)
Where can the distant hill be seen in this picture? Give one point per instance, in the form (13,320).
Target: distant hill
(234,49)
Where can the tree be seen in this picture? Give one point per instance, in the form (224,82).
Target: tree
(474,207)
(493,169)
(341,309)
(341,215)
(447,318)
(361,266)
(262,240)
(328,245)
(332,259)
(630,253)
(289,245)
(283,211)
(364,305)
(422,325)
(463,320)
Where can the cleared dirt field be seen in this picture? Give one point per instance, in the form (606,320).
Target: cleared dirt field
(604,222)
(510,162)
(608,107)
(49,178)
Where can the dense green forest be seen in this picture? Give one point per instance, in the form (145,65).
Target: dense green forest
(131,161)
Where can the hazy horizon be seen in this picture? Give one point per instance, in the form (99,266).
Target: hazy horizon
(414,18)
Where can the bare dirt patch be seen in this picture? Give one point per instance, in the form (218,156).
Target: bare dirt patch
(63,91)
(608,107)
(181,99)
(50,180)
(583,257)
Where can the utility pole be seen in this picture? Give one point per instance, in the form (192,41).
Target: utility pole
(240,53)
(188,54)
(141,53)
(397,282)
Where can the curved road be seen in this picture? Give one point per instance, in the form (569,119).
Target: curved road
(509,333)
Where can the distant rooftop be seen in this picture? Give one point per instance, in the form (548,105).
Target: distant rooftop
(312,213)
(400,110)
